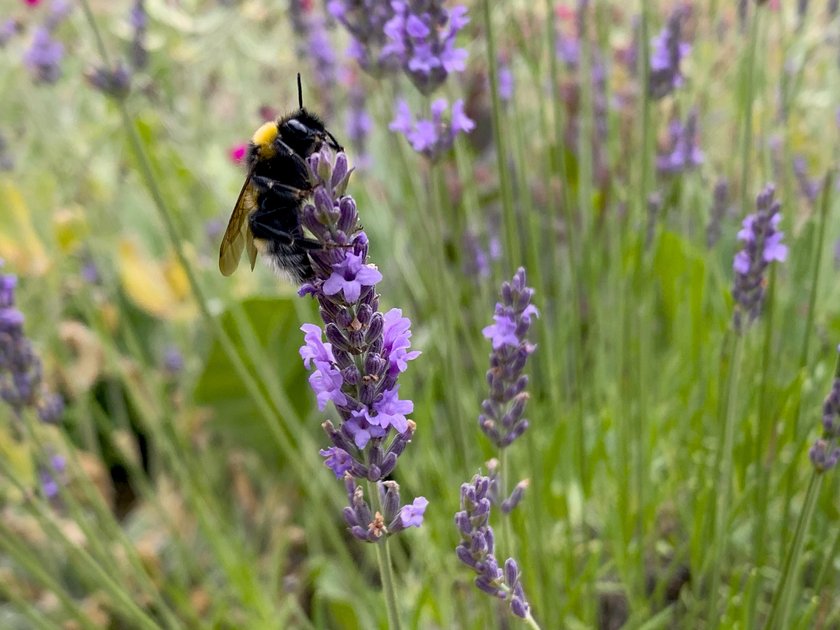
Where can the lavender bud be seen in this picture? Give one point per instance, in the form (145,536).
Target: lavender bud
(509,504)
(490,587)
(762,245)
(390,494)
(389,462)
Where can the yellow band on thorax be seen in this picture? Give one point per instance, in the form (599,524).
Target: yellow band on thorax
(264,137)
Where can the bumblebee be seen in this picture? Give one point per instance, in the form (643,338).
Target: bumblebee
(266,217)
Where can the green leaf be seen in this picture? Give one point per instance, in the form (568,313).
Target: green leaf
(275,327)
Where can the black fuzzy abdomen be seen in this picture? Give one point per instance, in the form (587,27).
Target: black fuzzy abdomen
(290,260)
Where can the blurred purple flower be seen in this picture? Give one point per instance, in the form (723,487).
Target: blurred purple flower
(501,413)
(720,208)
(358,367)
(52,476)
(365,20)
(114,82)
(421,39)
(21,377)
(359,122)
(432,136)
(477,548)
(173,360)
(505,83)
(825,453)
(313,42)
(21,384)
(8,29)
(138,19)
(682,153)
(44,56)
(809,189)
(762,244)
(667,52)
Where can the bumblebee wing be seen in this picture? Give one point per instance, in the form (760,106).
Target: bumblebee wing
(238,235)
(251,248)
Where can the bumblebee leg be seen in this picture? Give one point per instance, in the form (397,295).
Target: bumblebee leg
(272,224)
(280,192)
(264,226)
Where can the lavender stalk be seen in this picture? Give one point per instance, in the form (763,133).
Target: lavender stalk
(356,361)
(501,420)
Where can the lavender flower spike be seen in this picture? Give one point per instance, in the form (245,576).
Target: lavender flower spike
(477,548)
(825,453)
(683,152)
(21,372)
(665,56)
(356,360)
(365,20)
(433,136)
(762,245)
(720,208)
(422,39)
(501,413)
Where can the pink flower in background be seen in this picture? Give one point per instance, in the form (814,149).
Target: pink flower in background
(237,152)
(32,3)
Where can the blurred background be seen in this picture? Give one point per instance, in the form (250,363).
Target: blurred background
(159,444)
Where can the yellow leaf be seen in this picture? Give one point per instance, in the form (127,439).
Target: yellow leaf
(70,229)
(160,290)
(20,245)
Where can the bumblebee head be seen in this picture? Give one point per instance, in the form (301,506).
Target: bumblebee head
(262,142)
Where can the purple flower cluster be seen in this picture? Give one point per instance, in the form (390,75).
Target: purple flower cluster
(720,208)
(52,475)
(139,19)
(357,357)
(667,52)
(421,37)
(809,188)
(432,136)
(762,245)
(43,58)
(825,453)
(370,527)
(359,123)
(8,29)
(21,379)
(365,20)
(477,548)
(314,43)
(21,373)
(501,413)
(682,152)
(45,52)
(116,81)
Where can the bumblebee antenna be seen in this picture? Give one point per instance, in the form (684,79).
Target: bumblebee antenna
(300,92)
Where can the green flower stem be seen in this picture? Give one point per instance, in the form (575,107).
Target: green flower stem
(513,240)
(780,608)
(723,463)
(507,542)
(825,204)
(762,461)
(386,570)
(746,146)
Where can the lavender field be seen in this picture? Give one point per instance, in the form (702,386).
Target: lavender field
(554,341)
